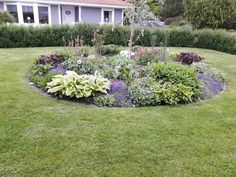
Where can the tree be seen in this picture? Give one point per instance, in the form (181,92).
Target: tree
(137,12)
(209,13)
(5,17)
(172,8)
(156,6)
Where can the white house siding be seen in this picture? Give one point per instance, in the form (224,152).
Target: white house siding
(91,15)
(55,14)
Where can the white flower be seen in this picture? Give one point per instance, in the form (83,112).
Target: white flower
(79,62)
(126,53)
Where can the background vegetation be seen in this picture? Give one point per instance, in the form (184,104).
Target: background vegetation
(17,36)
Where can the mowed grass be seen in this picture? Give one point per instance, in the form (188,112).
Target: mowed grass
(41,136)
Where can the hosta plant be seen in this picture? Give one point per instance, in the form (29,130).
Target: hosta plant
(78,86)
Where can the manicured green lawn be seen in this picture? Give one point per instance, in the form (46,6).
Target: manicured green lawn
(40,136)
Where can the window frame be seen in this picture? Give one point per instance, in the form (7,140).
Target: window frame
(28,5)
(12,4)
(49,13)
(35,6)
(112,10)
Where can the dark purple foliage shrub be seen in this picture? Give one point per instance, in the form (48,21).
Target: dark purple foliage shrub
(189,58)
(119,89)
(54,59)
(211,87)
(58,69)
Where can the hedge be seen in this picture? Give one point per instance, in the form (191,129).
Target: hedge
(47,36)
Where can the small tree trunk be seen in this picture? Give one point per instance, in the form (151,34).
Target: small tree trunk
(131,40)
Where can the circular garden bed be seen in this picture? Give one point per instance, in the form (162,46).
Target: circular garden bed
(143,77)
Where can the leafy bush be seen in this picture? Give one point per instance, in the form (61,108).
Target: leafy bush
(144,56)
(172,8)
(187,58)
(5,17)
(140,92)
(209,71)
(219,40)
(137,47)
(53,60)
(120,67)
(172,94)
(176,74)
(41,81)
(111,50)
(87,65)
(105,100)
(119,60)
(145,59)
(41,70)
(19,36)
(79,86)
(209,13)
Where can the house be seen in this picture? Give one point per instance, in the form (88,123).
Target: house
(55,12)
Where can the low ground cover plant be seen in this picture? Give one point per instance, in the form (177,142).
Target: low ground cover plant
(146,79)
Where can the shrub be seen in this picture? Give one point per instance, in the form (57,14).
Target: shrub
(41,81)
(41,70)
(118,60)
(144,56)
(105,100)
(78,86)
(172,94)
(172,8)
(140,92)
(176,74)
(180,37)
(53,60)
(84,65)
(209,13)
(120,68)
(19,36)
(111,50)
(219,40)
(189,58)
(5,17)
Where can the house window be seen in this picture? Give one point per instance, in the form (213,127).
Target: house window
(43,14)
(28,14)
(12,9)
(107,16)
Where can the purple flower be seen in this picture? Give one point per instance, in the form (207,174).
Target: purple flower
(119,89)
(58,69)
(211,86)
